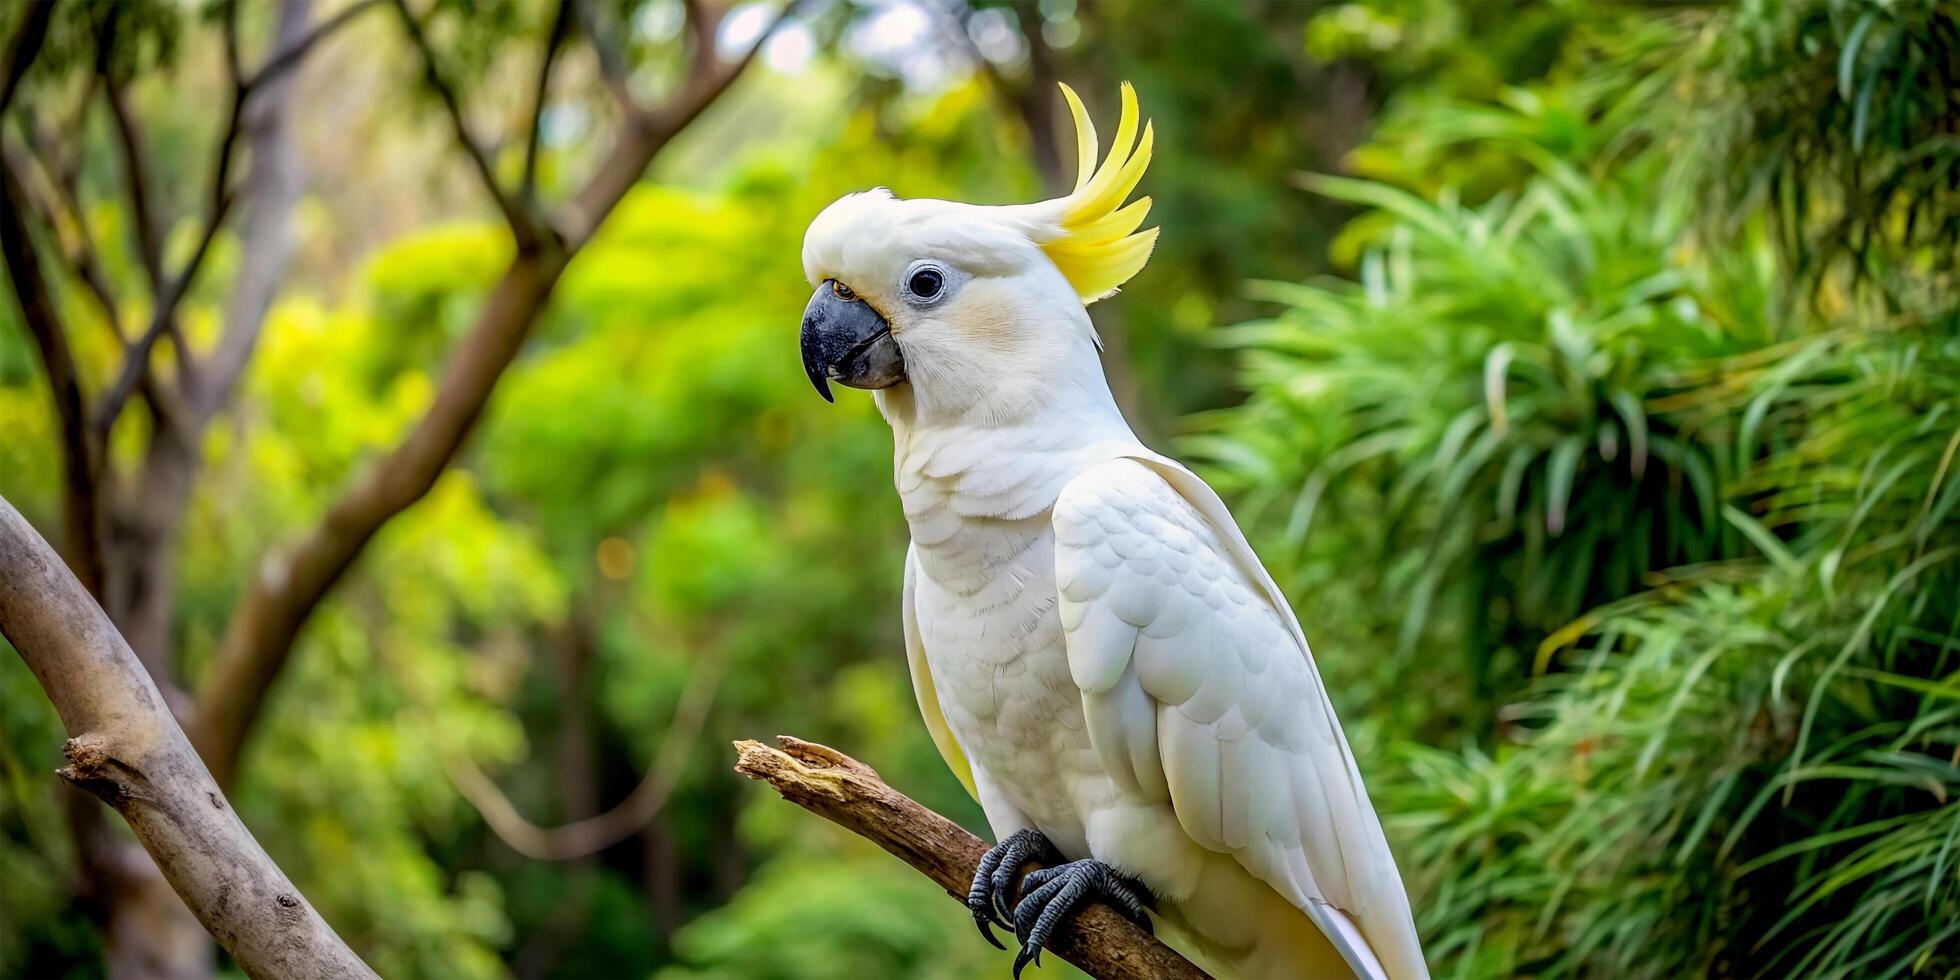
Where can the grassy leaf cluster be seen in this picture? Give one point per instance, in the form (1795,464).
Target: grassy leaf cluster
(1662,493)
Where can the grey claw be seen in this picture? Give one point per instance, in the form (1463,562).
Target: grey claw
(1051,895)
(979,899)
(1018,849)
(1024,957)
(990,899)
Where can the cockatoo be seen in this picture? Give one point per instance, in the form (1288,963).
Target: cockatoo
(1098,654)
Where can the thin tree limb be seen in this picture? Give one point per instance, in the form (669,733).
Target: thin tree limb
(600,25)
(136,360)
(270,191)
(648,129)
(522,225)
(258,640)
(234,69)
(596,833)
(849,793)
(60,211)
(286,589)
(163,319)
(125,748)
(290,54)
(22,48)
(561,24)
(144,221)
(79,454)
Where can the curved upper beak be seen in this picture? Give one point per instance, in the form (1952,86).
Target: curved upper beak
(847,340)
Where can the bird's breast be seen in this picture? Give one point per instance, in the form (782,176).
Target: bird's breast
(985,601)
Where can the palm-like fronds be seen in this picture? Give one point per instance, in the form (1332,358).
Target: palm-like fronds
(1698,532)
(1496,411)
(1834,121)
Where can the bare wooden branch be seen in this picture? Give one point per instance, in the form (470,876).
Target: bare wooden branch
(80,454)
(522,224)
(646,130)
(561,25)
(125,748)
(163,319)
(289,585)
(849,793)
(22,48)
(144,222)
(598,832)
(269,192)
(290,54)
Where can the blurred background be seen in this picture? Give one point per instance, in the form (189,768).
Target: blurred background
(1587,373)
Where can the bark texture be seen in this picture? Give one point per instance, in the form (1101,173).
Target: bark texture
(849,793)
(126,749)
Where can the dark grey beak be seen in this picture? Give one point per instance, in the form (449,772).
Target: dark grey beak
(844,338)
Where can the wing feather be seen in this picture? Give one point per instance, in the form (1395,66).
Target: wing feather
(1179,639)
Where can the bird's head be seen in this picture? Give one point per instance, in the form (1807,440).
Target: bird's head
(958,300)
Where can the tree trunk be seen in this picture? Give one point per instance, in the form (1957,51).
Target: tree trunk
(139,587)
(147,930)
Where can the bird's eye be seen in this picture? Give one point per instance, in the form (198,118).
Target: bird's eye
(927,282)
(843,292)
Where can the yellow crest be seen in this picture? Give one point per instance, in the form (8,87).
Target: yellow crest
(1098,247)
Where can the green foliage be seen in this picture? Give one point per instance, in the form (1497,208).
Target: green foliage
(654,470)
(1832,122)
(1618,488)
(1696,536)
(835,917)
(1481,403)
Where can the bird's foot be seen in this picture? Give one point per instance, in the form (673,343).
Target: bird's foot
(1051,895)
(991,899)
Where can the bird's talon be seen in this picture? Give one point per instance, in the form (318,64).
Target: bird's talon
(987,930)
(1039,877)
(1051,895)
(991,897)
(1023,958)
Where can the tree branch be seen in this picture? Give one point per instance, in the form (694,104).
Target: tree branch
(280,598)
(290,54)
(22,48)
(79,453)
(647,130)
(522,225)
(596,833)
(125,748)
(234,69)
(604,36)
(61,212)
(849,793)
(270,191)
(149,240)
(55,207)
(561,23)
(136,360)
(259,639)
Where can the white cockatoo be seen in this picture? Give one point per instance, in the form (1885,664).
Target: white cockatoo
(1097,651)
